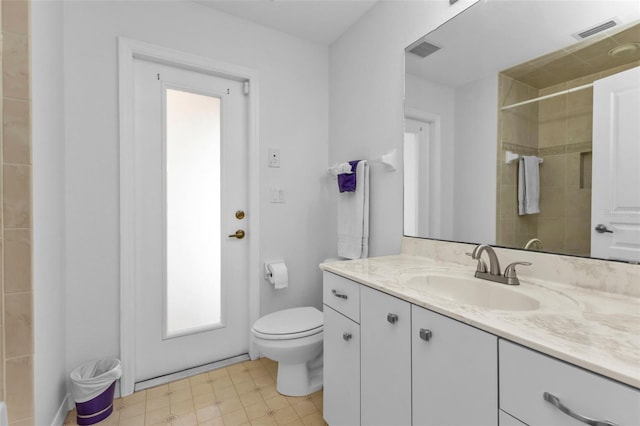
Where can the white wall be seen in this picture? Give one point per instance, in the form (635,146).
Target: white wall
(48,210)
(293,112)
(476,138)
(439,100)
(366,101)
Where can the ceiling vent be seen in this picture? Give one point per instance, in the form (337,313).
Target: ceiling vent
(423,48)
(596,29)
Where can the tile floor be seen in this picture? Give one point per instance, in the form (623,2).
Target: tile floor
(241,394)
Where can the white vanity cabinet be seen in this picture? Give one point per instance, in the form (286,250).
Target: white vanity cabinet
(385,346)
(455,372)
(526,375)
(341,397)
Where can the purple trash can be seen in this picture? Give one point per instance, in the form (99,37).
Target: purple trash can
(96,409)
(94,384)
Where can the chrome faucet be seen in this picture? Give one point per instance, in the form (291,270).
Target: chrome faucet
(510,277)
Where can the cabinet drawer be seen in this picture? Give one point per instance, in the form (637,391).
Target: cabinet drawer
(525,375)
(341,294)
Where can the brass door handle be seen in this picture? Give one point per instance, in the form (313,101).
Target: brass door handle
(239,234)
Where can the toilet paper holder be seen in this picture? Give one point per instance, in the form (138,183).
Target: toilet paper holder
(267,272)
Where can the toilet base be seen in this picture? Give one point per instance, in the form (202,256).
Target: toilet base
(298,379)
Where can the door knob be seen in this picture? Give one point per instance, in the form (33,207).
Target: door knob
(239,234)
(601,229)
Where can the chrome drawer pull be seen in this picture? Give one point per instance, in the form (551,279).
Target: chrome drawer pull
(340,295)
(556,402)
(346,336)
(392,318)
(425,334)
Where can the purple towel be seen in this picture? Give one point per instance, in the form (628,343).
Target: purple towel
(346,181)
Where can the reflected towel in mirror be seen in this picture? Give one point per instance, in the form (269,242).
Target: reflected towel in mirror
(528,185)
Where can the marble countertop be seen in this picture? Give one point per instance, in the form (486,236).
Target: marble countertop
(596,330)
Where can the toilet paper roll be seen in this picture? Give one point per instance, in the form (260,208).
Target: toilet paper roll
(279,275)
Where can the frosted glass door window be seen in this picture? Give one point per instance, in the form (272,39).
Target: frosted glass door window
(193,240)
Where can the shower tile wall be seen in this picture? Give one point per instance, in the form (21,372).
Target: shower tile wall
(16,326)
(563,139)
(517,132)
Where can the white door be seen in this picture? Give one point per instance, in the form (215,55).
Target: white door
(417,178)
(191,178)
(615,205)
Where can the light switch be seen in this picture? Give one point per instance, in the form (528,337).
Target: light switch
(276,195)
(274,157)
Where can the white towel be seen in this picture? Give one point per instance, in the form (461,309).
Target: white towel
(339,168)
(528,185)
(353,217)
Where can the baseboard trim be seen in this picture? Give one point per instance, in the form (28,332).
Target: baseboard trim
(61,415)
(189,372)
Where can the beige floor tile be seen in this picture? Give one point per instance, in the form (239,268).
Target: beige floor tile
(160,416)
(188,419)
(245,386)
(181,407)
(304,408)
(226,393)
(236,418)
(314,420)
(135,397)
(181,394)
(268,392)
(286,416)
(230,405)
(132,421)
(133,410)
(277,402)
(251,398)
(200,401)
(157,392)
(244,394)
(156,403)
(208,412)
(179,384)
(200,378)
(258,410)
(201,389)
(213,422)
(264,421)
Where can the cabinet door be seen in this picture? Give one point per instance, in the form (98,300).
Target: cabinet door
(526,375)
(455,372)
(341,369)
(385,347)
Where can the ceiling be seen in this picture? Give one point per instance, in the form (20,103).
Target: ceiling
(492,36)
(320,21)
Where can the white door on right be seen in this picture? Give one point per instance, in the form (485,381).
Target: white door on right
(615,204)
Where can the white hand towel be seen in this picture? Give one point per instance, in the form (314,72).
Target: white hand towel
(353,217)
(528,185)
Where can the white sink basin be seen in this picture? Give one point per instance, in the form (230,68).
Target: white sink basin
(473,291)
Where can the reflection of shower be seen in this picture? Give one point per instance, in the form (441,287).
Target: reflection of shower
(533,244)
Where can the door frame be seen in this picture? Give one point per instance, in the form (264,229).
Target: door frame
(128,50)
(434,122)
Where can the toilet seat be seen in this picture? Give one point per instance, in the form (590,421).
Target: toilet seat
(287,324)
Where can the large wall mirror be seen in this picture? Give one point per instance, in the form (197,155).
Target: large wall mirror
(522,128)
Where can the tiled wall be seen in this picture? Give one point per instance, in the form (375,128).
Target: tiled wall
(558,130)
(517,132)
(16,356)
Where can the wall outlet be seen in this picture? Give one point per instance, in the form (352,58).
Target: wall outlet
(274,157)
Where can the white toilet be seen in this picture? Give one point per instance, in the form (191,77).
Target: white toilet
(293,338)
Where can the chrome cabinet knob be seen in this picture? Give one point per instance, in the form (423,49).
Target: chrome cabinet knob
(392,318)
(346,336)
(425,334)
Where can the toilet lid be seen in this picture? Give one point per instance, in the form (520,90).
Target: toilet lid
(296,321)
